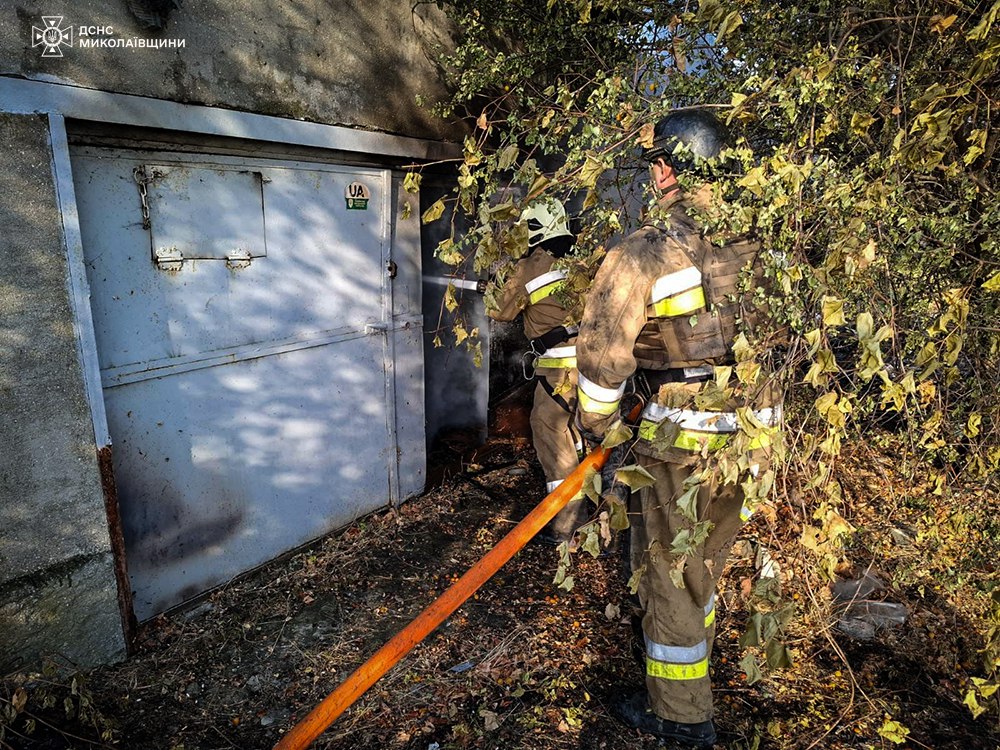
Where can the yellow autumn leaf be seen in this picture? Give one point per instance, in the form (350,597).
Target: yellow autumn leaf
(507,157)
(984,26)
(940,24)
(824,403)
(435,212)
(748,373)
(992,284)
(645,137)
(836,526)
(861,122)
(742,349)
(865,327)
(732,21)
(811,538)
(894,732)
(617,434)
(974,707)
(592,168)
(635,477)
(974,423)
(411,183)
(472,155)
(813,338)
(833,311)
(538,187)
(677,573)
(618,517)
(448,253)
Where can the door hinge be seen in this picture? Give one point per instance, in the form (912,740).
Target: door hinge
(238,258)
(169,259)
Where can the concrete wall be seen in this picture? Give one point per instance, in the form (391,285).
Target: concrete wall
(343,62)
(57,582)
(336,62)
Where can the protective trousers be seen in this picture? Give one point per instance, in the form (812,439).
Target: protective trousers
(679,623)
(557,444)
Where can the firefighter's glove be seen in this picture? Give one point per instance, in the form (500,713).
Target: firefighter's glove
(481,286)
(590,439)
(608,484)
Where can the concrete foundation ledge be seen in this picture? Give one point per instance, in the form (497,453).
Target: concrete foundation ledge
(68,611)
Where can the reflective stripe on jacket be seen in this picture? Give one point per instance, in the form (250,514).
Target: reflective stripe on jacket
(699,429)
(529,289)
(563,357)
(647,308)
(543,286)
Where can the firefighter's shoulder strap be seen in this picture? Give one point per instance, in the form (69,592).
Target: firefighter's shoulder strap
(554,337)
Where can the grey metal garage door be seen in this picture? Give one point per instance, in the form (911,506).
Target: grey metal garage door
(240,312)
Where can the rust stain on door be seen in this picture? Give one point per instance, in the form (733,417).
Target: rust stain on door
(110,490)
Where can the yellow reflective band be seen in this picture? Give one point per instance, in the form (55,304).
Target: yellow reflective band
(699,421)
(707,421)
(680,304)
(689,440)
(675,283)
(553,362)
(696,441)
(561,357)
(546,278)
(710,612)
(745,513)
(543,292)
(593,406)
(647,430)
(596,399)
(665,671)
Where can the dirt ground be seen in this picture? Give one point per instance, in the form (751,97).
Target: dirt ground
(523,664)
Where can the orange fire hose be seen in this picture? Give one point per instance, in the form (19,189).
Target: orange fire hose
(330,708)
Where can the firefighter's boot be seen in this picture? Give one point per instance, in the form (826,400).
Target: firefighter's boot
(634,710)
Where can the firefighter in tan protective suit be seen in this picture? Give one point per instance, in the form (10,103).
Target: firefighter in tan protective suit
(662,314)
(531,290)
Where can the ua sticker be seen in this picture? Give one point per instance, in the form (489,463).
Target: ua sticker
(357,195)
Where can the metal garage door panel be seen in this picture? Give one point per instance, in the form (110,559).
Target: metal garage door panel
(204,212)
(223,468)
(249,407)
(323,271)
(335,276)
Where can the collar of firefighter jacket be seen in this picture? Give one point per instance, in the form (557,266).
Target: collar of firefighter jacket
(702,198)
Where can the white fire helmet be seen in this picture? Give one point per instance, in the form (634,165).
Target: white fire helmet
(546,220)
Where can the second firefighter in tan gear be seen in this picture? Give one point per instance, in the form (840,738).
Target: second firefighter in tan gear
(662,314)
(531,291)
